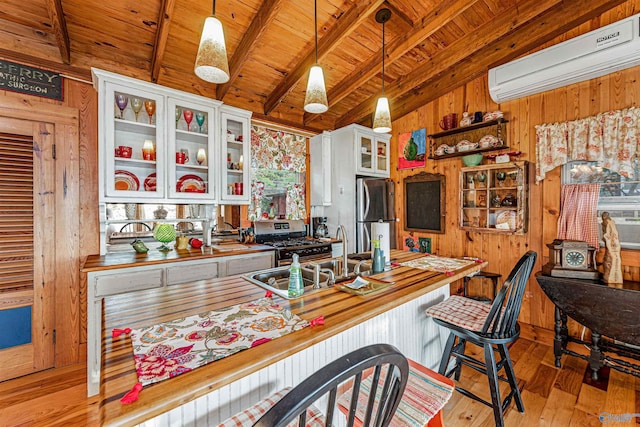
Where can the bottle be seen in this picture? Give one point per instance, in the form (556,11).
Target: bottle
(295,279)
(378,257)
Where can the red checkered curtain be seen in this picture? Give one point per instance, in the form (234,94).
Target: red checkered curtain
(578,213)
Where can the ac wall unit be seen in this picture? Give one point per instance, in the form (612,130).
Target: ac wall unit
(599,52)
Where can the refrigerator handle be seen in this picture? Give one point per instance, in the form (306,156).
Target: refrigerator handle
(367,200)
(367,242)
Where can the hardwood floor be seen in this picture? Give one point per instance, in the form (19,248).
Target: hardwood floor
(552,397)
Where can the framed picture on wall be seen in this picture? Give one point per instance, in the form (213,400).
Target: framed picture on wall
(424,244)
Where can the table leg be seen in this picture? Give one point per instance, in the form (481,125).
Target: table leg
(558,340)
(595,356)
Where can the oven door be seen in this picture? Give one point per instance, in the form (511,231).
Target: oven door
(302,259)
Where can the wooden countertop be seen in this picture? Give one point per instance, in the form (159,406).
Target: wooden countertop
(133,259)
(341,311)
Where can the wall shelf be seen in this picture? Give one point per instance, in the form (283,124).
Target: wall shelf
(472,133)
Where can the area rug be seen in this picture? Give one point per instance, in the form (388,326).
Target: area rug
(439,264)
(172,348)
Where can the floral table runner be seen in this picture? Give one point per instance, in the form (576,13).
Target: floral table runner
(169,349)
(439,264)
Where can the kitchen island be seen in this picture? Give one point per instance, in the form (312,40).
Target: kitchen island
(212,392)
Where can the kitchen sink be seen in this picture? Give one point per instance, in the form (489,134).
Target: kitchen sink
(276,280)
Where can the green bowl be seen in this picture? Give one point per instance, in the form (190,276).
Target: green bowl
(472,159)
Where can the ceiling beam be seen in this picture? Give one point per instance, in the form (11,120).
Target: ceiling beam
(443,13)
(341,30)
(60,29)
(514,31)
(254,33)
(162,34)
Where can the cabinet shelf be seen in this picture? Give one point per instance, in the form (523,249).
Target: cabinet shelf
(482,209)
(473,126)
(200,138)
(465,153)
(137,127)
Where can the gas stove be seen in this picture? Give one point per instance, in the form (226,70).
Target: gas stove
(288,238)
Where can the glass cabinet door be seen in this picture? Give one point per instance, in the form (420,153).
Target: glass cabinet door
(191,155)
(235,143)
(365,149)
(382,157)
(134,143)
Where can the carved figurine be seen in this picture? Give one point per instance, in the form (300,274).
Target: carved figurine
(612,264)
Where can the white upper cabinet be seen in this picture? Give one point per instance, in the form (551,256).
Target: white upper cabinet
(192,150)
(372,152)
(162,145)
(320,173)
(235,144)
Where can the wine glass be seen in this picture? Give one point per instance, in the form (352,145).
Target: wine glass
(501,176)
(136,106)
(150,107)
(164,233)
(178,114)
(121,102)
(188,116)
(200,120)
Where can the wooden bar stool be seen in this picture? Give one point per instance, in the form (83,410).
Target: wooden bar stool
(494,277)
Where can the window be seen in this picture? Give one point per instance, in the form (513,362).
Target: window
(619,195)
(276,184)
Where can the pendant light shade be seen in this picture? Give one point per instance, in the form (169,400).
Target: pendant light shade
(315,100)
(382,117)
(211,61)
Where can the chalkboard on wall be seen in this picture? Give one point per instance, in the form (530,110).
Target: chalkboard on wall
(424,200)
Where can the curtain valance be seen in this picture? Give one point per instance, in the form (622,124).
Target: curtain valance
(279,150)
(610,138)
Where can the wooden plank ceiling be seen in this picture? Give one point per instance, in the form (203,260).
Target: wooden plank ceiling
(432,46)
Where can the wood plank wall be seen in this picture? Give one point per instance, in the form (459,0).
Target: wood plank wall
(73,242)
(614,91)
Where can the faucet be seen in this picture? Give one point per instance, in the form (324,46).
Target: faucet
(345,259)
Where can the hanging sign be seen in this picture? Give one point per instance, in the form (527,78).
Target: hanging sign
(32,81)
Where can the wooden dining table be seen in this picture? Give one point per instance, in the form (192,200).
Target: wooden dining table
(340,311)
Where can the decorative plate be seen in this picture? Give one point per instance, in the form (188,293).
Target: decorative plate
(150,182)
(506,220)
(126,181)
(191,184)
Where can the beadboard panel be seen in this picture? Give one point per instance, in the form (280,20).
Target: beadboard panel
(405,327)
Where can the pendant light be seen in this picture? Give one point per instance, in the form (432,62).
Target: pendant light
(315,100)
(382,117)
(211,61)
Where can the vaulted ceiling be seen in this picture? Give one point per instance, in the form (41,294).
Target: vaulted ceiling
(432,46)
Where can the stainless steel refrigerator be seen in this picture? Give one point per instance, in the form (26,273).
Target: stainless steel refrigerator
(374,202)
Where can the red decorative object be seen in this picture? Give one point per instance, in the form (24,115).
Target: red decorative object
(117,332)
(317,321)
(132,395)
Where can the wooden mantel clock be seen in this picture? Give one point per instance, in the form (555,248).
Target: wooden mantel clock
(571,258)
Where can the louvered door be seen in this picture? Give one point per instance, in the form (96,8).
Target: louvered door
(27,247)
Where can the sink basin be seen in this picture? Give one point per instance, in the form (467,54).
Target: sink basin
(335,265)
(276,280)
